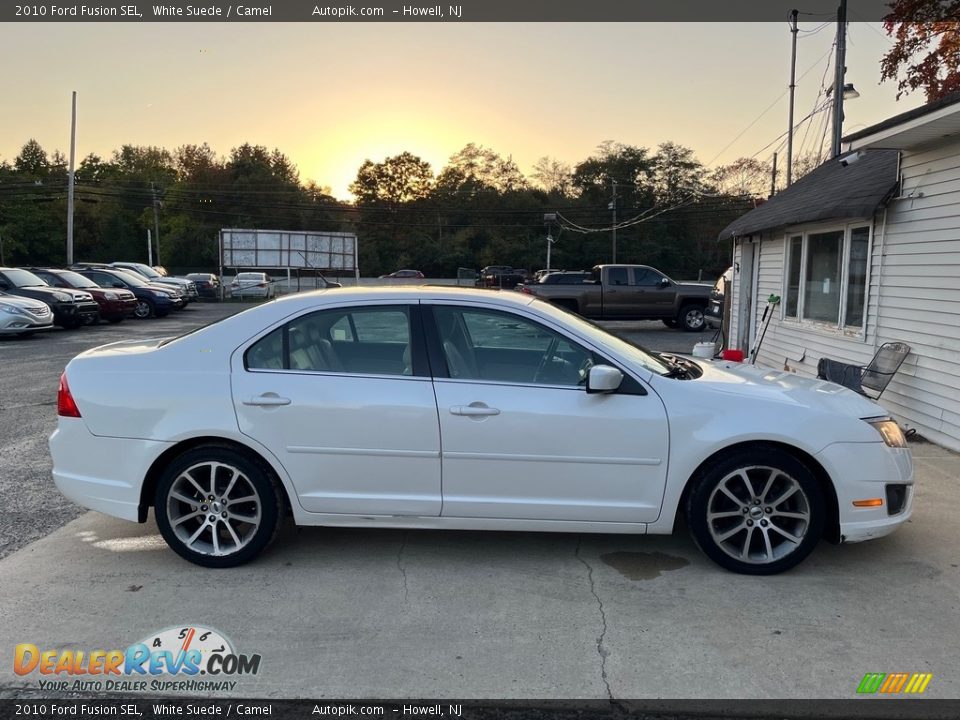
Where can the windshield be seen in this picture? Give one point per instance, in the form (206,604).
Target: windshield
(23,278)
(76,280)
(606,339)
(131,278)
(147,271)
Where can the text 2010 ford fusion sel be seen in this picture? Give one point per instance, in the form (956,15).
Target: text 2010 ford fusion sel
(466,409)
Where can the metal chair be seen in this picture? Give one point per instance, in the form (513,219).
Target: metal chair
(873,377)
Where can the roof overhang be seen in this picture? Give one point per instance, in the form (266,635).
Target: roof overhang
(927,128)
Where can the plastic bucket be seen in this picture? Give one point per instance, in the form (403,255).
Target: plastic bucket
(704,350)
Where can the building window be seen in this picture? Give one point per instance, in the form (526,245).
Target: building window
(825,278)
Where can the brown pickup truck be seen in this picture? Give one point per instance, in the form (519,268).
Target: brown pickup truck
(631,292)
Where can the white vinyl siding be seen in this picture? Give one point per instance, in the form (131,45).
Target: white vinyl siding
(913,296)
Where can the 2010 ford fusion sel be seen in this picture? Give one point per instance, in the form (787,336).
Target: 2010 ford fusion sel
(466,409)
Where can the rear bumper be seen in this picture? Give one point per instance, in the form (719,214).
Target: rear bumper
(862,471)
(101,473)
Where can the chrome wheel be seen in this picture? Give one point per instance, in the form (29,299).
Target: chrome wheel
(213,508)
(693,319)
(758,514)
(143,310)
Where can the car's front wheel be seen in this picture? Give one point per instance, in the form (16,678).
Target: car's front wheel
(758,511)
(145,309)
(217,507)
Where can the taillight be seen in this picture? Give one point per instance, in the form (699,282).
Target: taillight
(526,290)
(261,284)
(66,407)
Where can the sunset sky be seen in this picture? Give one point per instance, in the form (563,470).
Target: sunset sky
(331,96)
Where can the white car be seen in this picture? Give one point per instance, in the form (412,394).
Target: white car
(23,316)
(251,284)
(453,408)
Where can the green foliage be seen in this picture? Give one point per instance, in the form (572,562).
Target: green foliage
(478,210)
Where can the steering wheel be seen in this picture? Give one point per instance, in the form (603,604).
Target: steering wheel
(547,356)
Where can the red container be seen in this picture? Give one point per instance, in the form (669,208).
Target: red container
(733,355)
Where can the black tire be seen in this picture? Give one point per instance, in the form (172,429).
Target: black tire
(670,323)
(145,309)
(255,479)
(738,542)
(691,318)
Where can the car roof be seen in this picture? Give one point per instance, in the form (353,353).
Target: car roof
(405,294)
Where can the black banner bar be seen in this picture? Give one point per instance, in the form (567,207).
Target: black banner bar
(141,708)
(327,11)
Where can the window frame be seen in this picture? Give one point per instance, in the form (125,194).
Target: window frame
(438,363)
(804,232)
(418,348)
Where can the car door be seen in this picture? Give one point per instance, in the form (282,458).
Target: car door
(343,398)
(657,292)
(521,437)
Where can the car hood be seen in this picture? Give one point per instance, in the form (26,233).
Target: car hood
(24,303)
(47,294)
(759,383)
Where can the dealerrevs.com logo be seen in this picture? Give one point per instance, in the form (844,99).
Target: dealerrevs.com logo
(179,659)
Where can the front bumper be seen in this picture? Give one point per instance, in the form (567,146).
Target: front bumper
(117,308)
(862,471)
(15,323)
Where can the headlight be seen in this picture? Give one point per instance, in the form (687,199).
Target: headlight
(12,309)
(890,432)
(110,295)
(62,297)
(159,294)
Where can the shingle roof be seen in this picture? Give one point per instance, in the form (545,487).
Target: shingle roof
(832,191)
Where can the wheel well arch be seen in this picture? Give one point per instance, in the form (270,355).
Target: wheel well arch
(831,525)
(149,487)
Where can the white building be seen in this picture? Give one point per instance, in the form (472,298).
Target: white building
(862,251)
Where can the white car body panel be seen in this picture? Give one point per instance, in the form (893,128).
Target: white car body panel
(366,450)
(18,315)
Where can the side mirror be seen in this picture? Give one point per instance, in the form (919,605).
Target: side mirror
(664,282)
(603,379)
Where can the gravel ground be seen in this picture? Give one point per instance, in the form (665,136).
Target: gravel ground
(30,506)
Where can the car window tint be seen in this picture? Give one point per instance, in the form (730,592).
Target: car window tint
(617,276)
(267,352)
(373,341)
(498,346)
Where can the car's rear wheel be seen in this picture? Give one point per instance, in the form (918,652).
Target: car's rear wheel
(691,318)
(756,512)
(216,507)
(145,309)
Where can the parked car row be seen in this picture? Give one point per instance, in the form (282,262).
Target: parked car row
(33,299)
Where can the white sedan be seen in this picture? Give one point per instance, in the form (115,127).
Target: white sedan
(456,408)
(23,316)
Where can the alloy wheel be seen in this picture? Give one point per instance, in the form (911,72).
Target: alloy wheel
(758,514)
(214,509)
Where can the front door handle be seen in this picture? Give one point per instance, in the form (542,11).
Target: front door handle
(267,400)
(476,409)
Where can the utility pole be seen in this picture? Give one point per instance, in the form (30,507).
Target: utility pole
(793,87)
(613,226)
(149,248)
(549,218)
(838,83)
(773,177)
(73,148)
(156,222)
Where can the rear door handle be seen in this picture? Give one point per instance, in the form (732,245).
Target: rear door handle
(473,410)
(267,400)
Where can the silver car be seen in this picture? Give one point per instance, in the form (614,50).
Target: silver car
(188,288)
(23,316)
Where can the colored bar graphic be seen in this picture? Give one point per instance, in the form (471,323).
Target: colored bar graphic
(893,683)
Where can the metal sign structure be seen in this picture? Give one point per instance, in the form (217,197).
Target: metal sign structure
(289,249)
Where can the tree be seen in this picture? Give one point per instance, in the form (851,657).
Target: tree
(744,176)
(400,179)
(554,177)
(476,170)
(32,162)
(927,47)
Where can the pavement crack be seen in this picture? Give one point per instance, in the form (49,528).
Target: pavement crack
(403,570)
(601,650)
